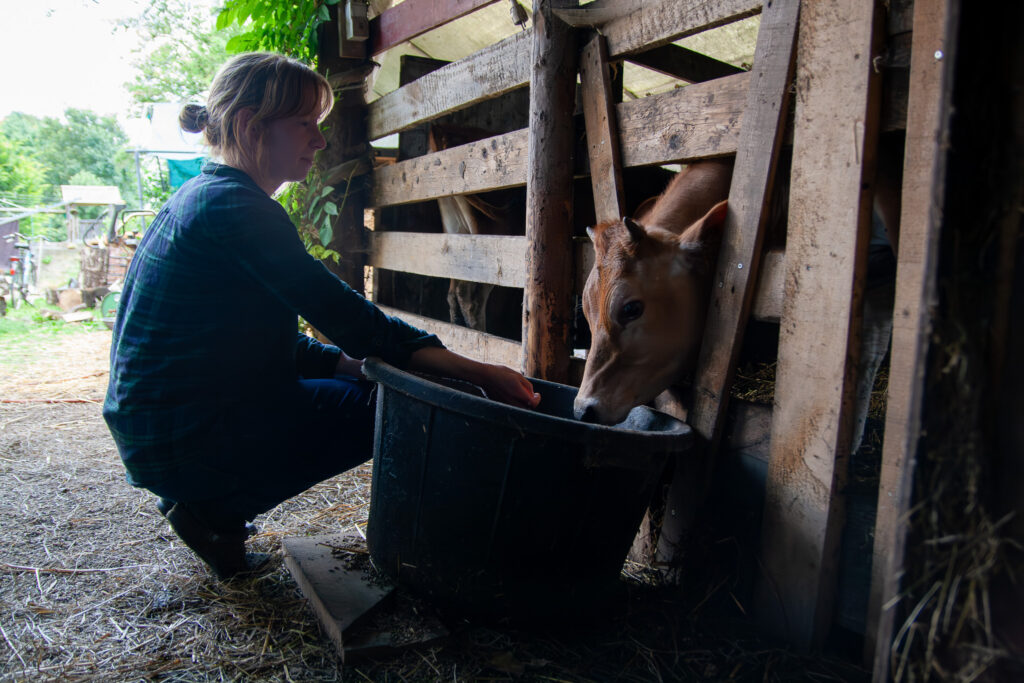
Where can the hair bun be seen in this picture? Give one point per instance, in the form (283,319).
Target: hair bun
(193,118)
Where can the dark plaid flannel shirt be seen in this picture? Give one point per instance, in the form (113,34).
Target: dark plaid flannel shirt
(208,313)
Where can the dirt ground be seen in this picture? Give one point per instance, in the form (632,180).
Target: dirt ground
(94,585)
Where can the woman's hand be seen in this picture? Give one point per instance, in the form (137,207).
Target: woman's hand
(349,366)
(499,382)
(506,385)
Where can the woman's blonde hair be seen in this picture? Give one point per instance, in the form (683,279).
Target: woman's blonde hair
(271,85)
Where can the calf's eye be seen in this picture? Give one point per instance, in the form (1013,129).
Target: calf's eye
(630,311)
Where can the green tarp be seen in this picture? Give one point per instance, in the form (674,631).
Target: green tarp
(181,170)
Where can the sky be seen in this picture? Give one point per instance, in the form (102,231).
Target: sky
(65,53)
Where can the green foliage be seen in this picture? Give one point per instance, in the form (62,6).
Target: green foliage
(309,206)
(287,27)
(22,178)
(181,52)
(83,142)
(44,153)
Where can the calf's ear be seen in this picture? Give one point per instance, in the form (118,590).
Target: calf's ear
(707,230)
(636,231)
(698,244)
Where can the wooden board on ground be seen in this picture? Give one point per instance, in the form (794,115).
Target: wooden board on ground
(829,226)
(339,596)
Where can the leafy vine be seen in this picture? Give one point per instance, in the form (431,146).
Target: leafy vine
(285,26)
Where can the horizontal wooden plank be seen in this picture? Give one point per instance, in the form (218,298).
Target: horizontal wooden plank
(478,345)
(412,18)
(699,121)
(489,164)
(656,23)
(486,73)
(495,259)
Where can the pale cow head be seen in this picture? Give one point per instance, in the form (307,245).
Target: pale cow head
(646,301)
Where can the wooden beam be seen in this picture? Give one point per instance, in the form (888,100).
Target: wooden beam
(602,131)
(494,259)
(547,296)
(732,293)
(684,64)
(413,18)
(924,175)
(490,164)
(487,73)
(478,345)
(698,121)
(658,22)
(834,144)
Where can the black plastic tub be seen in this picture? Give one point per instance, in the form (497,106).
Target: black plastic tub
(499,511)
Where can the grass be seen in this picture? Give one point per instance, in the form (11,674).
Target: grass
(23,328)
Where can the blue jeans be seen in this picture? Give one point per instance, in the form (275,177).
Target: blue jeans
(262,452)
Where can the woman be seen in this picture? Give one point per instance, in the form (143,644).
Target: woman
(217,404)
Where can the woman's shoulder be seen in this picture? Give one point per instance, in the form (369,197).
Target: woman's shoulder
(222,193)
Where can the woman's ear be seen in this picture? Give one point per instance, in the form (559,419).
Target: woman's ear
(248,132)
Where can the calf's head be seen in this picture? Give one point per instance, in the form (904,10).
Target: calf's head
(645,301)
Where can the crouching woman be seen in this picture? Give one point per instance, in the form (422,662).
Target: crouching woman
(218,405)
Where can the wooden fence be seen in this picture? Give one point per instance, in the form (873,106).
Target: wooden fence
(813,290)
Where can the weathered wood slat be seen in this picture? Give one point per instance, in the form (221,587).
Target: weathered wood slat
(656,23)
(485,74)
(547,295)
(412,18)
(494,259)
(684,64)
(602,131)
(490,164)
(733,292)
(924,172)
(478,345)
(837,102)
(698,121)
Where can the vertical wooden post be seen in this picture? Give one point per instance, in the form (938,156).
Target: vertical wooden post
(732,296)
(929,109)
(345,131)
(547,299)
(837,105)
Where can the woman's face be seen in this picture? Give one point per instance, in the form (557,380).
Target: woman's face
(289,146)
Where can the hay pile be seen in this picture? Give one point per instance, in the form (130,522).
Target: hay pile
(94,586)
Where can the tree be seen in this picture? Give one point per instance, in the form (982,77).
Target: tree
(181,52)
(85,144)
(22,179)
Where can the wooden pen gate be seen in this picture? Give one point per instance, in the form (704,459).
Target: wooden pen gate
(814,290)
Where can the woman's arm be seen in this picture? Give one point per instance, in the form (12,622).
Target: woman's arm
(501,383)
